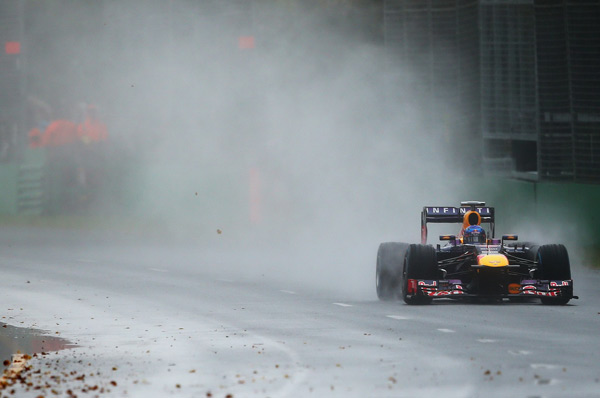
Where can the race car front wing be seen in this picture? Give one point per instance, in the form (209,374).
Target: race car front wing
(454,288)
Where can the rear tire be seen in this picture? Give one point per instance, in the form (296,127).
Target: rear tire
(388,272)
(553,262)
(420,262)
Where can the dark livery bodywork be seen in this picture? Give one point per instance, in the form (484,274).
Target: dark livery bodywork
(494,269)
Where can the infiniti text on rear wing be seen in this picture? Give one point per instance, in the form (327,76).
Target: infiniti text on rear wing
(449,215)
(438,214)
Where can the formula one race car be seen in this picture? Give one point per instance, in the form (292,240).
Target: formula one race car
(473,264)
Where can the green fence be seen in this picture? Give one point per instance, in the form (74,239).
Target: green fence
(547,212)
(23,184)
(8,193)
(536,211)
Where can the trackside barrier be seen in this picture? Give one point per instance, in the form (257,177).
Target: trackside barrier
(557,210)
(31,192)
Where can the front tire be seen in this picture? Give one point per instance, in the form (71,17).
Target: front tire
(389,270)
(420,262)
(553,262)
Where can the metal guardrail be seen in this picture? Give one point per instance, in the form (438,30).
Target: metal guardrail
(540,82)
(539,76)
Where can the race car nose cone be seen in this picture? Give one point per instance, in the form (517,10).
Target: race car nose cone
(492,260)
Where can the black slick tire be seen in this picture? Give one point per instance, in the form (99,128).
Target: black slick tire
(420,262)
(553,263)
(388,271)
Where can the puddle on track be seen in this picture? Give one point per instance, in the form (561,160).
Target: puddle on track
(35,372)
(28,341)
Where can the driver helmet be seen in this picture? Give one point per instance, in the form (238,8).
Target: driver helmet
(474,234)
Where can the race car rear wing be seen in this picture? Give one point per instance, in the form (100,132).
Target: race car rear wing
(452,215)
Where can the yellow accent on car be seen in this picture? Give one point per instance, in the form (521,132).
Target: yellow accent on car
(493,260)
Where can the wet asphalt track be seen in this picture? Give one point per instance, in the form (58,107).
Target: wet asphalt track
(185,322)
